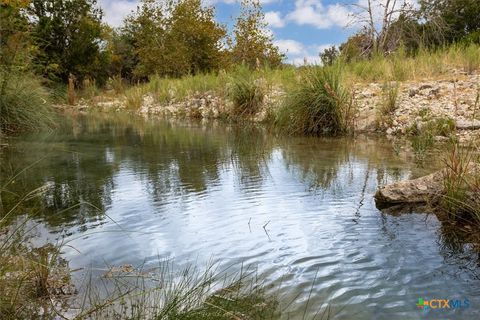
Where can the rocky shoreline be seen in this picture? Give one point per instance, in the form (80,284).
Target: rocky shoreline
(454,98)
(418,102)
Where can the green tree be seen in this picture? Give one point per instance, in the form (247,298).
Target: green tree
(15,45)
(68,35)
(198,37)
(145,32)
(174,38)
(455,19)
(121,51)
(329,55)
(253,43)
(357,46)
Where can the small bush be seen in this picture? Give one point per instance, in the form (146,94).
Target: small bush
(246,92)
(24,104)
(318,104)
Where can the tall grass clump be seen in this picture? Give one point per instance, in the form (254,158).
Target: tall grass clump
(32,280)
(184,294)
(246,91)
(401,65)
(89,89)
(24,103)
(318,104)
(471,58)
(389,104)
(117,84)
(134,97)
(425,133)
(461,199)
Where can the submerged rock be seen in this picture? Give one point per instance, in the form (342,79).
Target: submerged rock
(417,191)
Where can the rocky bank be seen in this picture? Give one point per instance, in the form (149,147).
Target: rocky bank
(455,98)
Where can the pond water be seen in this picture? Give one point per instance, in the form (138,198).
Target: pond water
(300,210)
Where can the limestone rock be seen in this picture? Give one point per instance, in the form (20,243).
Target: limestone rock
(421,190)
(468,125)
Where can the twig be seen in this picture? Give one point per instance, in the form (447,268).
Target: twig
(266,224)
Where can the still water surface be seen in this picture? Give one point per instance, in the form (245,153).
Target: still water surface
(300,210)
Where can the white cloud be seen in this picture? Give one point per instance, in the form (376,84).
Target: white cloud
(306,59)
(274,19)
(116,10)
(290,47)
(322,47)
(313,12)
(297,53)
(321,16)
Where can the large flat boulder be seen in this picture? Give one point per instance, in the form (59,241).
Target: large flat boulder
(427,189)
(417,191)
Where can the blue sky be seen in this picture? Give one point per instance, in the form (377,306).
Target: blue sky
(301,28)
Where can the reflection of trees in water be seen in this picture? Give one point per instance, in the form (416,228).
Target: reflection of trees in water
(82,159)
(457,245)
(251,149)
(178,159)
(67,180)
(460,243)
(318,161)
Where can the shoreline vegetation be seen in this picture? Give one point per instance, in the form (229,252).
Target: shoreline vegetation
(397,95)
(414,73)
